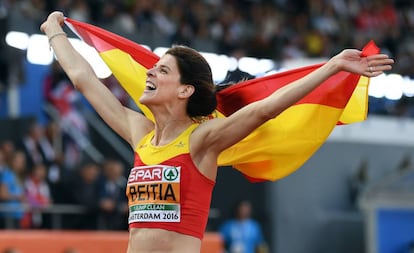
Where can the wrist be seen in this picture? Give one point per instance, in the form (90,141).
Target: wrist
(54,35)
(51,32)
(332,66)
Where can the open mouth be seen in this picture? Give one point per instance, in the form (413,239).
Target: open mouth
(150,86)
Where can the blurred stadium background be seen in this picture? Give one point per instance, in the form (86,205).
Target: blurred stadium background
(354,195)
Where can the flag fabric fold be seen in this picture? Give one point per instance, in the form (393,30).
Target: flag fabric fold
(280,146)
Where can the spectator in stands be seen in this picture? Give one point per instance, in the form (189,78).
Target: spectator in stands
(3,164)
(38,197)
(241,233)
(30,144)
(113,204)
(84,191)
(7,147)
(56,170)
(12,192)
(36,146)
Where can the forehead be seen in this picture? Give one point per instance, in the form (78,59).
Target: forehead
(169,61)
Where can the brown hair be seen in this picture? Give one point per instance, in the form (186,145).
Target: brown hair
(195,70)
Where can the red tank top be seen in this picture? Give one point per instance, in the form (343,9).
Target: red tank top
(166,190)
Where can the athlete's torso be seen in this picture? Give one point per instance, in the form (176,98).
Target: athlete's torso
(167,194)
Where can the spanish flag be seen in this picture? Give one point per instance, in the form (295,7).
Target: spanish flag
(280,146)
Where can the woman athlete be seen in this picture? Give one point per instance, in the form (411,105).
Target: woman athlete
(169,189)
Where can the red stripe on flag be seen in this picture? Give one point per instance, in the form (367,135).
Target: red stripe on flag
(370,49)
(334,92)
(103,40)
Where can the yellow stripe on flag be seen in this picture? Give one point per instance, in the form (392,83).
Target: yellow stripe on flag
(356,110)
(129,73)
(272,154)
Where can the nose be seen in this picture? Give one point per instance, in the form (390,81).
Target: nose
(151,72)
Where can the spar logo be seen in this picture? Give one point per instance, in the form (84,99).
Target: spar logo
(156,173)
(171,173)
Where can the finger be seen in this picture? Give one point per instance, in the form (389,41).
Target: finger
(373,71)
(378,62)
(376,73)
(377,57)
(379,68)
(368,73)
(376,70)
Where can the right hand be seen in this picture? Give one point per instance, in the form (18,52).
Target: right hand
(351,60)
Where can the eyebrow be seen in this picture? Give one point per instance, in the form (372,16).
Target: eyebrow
(163,66)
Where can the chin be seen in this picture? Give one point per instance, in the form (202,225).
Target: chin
(143,99)
(146,100)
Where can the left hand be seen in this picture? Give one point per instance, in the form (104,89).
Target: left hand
(351,60)
(53,23)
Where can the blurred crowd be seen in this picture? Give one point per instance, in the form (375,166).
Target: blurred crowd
(277,29)
(274,29)
(36,184)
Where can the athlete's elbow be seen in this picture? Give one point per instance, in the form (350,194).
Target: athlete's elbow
(268,114)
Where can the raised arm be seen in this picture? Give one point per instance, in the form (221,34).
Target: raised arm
(222,133)
(130,125)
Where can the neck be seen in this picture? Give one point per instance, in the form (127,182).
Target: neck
(167,129)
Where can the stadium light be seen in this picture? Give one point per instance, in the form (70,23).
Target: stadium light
(19,40)
(408,86)
(393,87)
(92,56)
(38,51)
(219,65)
(250,65)
(160,51)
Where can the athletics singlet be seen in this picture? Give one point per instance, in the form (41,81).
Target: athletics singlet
(166,190)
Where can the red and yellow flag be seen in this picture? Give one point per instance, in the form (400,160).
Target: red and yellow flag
(278,147)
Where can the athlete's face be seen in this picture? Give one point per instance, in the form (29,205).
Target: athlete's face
(163,82)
